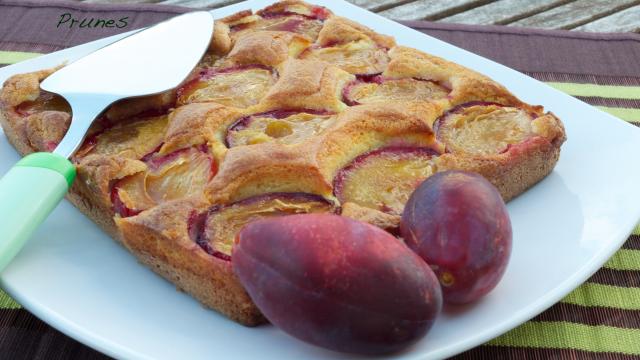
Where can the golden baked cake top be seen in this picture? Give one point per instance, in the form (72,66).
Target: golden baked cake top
(293,110)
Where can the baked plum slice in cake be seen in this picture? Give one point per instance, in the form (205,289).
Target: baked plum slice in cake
(358,57)
(216,229)
(351,47)
(132,139)
(282,126)
(302,19)
(177,175)
(45,102)
(374,88)
(284,9)
(384,179)
(482,128)
(238,86)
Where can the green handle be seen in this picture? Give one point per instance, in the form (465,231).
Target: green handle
(28,193)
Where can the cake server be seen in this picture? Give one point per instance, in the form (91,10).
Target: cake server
(139,64)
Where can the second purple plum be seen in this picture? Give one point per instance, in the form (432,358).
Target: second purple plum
(458,223)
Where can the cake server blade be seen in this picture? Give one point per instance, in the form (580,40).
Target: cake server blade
(147,62)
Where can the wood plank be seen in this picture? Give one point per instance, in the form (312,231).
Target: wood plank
(378,5)
(431,10)
(575,13)
(200,3)
(625,21)
(583,15)
(503,11)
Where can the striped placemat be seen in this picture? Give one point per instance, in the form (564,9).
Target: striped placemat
(600,319)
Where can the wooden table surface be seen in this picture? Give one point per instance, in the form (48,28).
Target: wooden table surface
(583,15)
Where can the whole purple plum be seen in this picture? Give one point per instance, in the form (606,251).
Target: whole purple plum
(337,282)
(458,223)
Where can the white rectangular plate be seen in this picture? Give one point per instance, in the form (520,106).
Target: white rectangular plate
(77,279)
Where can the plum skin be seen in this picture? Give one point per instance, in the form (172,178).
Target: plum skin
(458,223)
(337,282)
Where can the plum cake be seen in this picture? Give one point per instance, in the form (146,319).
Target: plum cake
(292,110)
